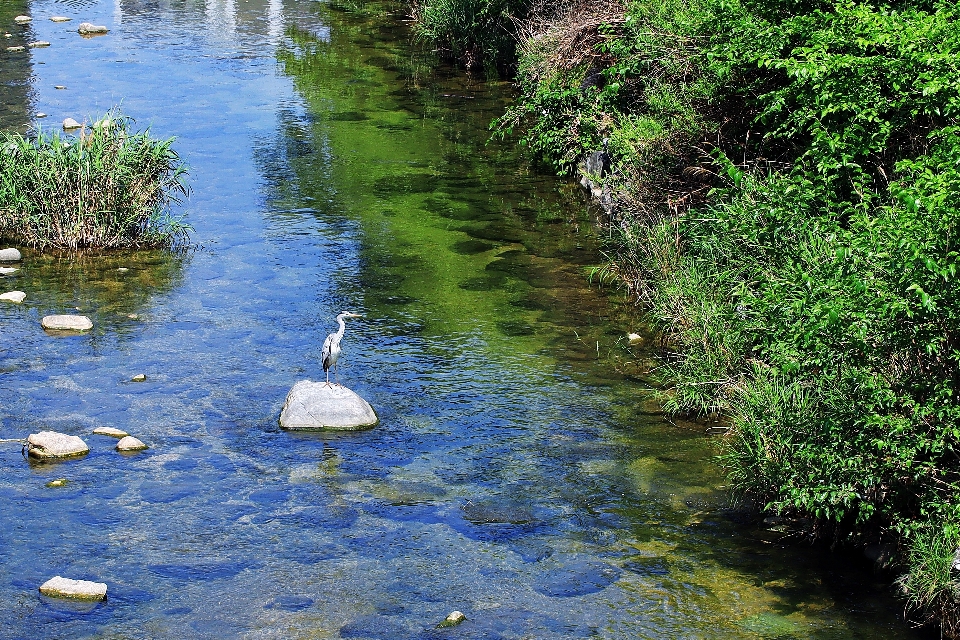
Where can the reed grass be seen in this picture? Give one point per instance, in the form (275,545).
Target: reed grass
(107,187)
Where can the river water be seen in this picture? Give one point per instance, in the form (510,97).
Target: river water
(520,472)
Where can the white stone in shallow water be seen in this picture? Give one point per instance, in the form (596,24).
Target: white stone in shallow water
(314,405)
(14,296)
(67,323)
(70,123)
(22,19)
(60,19)
(38,43)
(10,255)
(58,587)
(129,443)
(88,28)
(50,444)
(110,431)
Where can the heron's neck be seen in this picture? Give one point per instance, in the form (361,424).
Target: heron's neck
(343,326)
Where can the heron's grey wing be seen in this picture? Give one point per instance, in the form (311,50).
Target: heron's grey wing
(325,353)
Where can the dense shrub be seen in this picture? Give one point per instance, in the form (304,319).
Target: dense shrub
(106,188)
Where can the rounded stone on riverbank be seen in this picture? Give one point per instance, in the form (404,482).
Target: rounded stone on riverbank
(16,49)
(10,255)
(129,443)
(58,587)
(22,19)
(8,271)
(48,445)
(66,323)
(13,296)
(315,406)
(70,123)
(110,431)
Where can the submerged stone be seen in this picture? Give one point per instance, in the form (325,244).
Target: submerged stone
(10,255)
(452,620)
(110,431)
(14,296)
(59,482)
(314,405)
(129,443)
(50,445)
(38,43)
(88,28)
(58,587)
(66,323)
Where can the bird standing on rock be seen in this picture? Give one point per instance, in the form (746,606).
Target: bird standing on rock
(331,346)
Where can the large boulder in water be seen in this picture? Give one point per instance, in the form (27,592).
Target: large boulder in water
(314,405)
(48,445)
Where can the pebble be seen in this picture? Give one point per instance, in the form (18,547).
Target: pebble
(58,587)
(110,431)
(59,86)
(122,269)
(50,444)
(140,377)
(22,19)
(66,323)
(16,49)
(88,28)
(129,443)
(59,482)
(38,43)
(452,620)
(40,114)
(14,296)
(60,19)
(10,255)
(70,123)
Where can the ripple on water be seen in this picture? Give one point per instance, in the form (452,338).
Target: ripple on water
(290,603)
(374,627)
(196,571)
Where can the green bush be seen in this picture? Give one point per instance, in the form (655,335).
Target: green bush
(106,188)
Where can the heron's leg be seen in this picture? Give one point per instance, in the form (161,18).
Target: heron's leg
(328,377)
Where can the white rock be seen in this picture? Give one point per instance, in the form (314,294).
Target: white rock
(634,337)
(13,296)
(10,255)
(70,123)
(60,19)
(455,617)
(38,43)
(140,377)
(59,86)
(50,444)
(6,271)
(15,49)
(88,28)
(110,431)
(58,587)
(40,114)
(129,443)
(22,19)
(66,323)
(314,405)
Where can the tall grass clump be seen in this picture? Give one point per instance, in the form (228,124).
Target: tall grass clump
(108,187)
(480,34)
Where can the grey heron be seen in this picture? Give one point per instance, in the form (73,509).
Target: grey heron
(331,346)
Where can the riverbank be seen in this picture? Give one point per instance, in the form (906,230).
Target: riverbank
(783,191)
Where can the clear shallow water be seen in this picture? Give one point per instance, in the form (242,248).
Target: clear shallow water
(514,476)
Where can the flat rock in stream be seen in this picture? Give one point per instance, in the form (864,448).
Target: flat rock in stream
(48,445)
(13,296)
(10,255)
(110,431)
(58,587)
(66,323)
(129,443)
(314,405)
(88,29)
